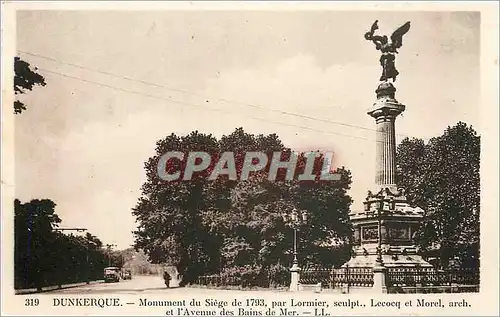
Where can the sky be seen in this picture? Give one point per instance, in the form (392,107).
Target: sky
(85,137)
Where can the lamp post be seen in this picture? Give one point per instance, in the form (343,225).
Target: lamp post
(379,270)
(380,208)
(297,218)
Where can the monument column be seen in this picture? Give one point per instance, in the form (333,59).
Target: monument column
(387,208)
(384,111)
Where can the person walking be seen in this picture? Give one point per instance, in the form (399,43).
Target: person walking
(167,278)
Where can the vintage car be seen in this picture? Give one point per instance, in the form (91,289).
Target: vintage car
(111,274)
(127,275)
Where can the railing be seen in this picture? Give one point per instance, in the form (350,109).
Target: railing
(433,289)
(217,280)
(315,276)
(338,278)
(429,280)
(358,277)
(431,277)
(398,280)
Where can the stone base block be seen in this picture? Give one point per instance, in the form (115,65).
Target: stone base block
(369,261)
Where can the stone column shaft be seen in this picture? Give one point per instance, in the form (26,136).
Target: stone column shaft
(386,152)
(384,111)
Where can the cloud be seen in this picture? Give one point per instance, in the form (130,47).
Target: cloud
(299,85)
(84,144)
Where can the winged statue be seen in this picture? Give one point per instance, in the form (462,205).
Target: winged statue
(388,48)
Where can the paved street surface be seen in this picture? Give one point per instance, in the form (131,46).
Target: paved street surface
(137,285)
(140,285)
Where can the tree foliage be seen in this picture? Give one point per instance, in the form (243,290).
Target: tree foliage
(138,262)
(442,177)
(46,257)
(207,226)
(24,80)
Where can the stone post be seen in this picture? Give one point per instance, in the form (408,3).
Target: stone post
(379,279)
(295,277)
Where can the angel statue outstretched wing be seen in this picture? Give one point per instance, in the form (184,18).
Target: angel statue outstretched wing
(397,36)
(388,49)
(382,42)
(369,35)
(379,41)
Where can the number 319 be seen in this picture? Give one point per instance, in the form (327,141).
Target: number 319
(31,302)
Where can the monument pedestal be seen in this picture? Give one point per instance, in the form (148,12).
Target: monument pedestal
(398,224)
(391,215)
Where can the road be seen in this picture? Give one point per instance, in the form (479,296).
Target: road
(137,285)
(141,285)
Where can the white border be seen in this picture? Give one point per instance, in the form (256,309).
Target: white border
(484,303)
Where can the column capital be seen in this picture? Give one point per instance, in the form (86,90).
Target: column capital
(386,108)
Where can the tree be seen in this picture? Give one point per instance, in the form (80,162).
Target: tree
(257,232)
(137,261)
(169,213)
(442,177)
(33,223)
(203,226)
(116,259)
(24,80)
(94,242)
(45,257)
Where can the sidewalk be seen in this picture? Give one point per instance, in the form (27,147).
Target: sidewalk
(51,288)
